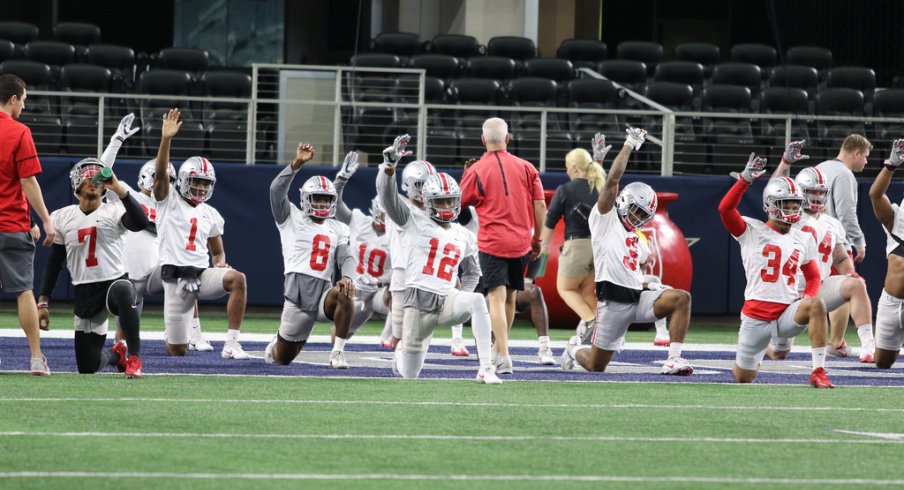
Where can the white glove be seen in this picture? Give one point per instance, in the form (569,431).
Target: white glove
(755,168)
(125,128)
(187,287)
(636,137)
(349,166)
(599,147)
(897,155)
(368,281)
(394,153)
(657,286)
(792,152)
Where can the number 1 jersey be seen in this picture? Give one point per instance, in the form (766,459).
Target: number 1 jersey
(183,231)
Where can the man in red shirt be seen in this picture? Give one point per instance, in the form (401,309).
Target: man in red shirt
(18,188)
(508,196)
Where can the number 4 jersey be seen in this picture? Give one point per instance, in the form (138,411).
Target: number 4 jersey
(94,243)
(183,231)
(309,248)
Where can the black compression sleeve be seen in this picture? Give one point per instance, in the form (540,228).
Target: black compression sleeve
(52,269)
(134,219)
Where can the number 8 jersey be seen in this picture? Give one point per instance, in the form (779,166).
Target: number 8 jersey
(183,230)
(310,248)
(771,261)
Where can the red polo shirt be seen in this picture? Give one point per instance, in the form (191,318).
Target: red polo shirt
(18,159)
(503,188)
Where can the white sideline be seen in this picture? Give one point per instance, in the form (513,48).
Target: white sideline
(579,406)
(445,437)
(426,477)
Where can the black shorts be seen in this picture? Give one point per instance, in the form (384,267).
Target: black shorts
(91,297)
(500,271)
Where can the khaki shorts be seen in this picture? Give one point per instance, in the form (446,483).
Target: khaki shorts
(576,259)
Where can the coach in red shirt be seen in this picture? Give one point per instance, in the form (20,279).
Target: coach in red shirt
(18,166)
(508,196)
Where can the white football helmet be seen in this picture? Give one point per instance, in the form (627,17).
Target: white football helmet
(636,205)
(318,185)
(378,213)
(196,180)
(414,176)
(82,171)
(813,187)
(146,174)
(442,197)
(779,198)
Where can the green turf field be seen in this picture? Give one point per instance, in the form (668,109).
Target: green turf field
(415,434)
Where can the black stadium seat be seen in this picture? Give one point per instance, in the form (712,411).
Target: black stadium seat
(369,123)
(629,73)
(477,92)
(854,77)
(761,55)
(119,59)
(18,32)
(493,67)
(457,45)
(593,94)
(553,68)
(79,114)
(736,73)
(437,65)
(731,137)
(525,126)
(649,53)
(42,112)
(889,103)
(7,50)
(518,48)
(686,72)
(54,53)
(169,82)
(815,56)
(838,102)
(706,54)
(583,53)
(795,76)
(678,97)
(782,100)
(76,33)
(401,44)
(193,61)
(226,123)
(674,95)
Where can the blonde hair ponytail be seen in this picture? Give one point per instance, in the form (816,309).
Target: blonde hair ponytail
(587,168)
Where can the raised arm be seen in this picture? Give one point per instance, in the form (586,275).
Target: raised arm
(728,208)
(123,132)
(881,204)
(279,188)
(790,156)
(387,189)
(349,167)
(171,125)
(633,142)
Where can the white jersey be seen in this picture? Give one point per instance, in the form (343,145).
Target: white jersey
(371,251)
(142,250)
(435,253)
(616,251)
(310,248)
(771,261)
(827,232)
(183,231)
(94,243)
(897,229)
(397,245)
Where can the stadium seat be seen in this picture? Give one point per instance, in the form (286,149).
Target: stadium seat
(782,100)
(457,45)
(369,123)
(685,72)
(517,48)
(553,68)
(678,97)
(649,53)
(76,33)
(743,74)
(42,113)
(854,77)
(402,44)
(761,55)
(226,123)
(437,65)
(526,127)
(592,94)
(815,56)
(477,92)
(169,82)
(628,73)
(79,114)
(889,103)
(119,59)
(53,53)
(583,53)
(7,50)
(18,32)
(731,137)
(493,67)
(442,141)
(706,54)
(838,102)
(193,61)
(795,76)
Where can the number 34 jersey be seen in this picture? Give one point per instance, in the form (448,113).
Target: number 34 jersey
(310,248)
(771,261)
(183,231)
(94,242)
(435,253)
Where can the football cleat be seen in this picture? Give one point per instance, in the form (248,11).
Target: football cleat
(545,355)
(268,351)
(677,366)
(504,365)
(488,376)
(567,360)
(120,348)
(386,343)
(820,379)
(841,351)
(232,349)
(337,360)
(198,342)
(39,366)
(133,367)
(458,348)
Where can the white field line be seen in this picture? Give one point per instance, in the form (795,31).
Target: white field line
(430,477)
(445,437)
(579,406)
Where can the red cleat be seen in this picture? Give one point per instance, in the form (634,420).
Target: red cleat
(820,379)
(119,347)
(133,369)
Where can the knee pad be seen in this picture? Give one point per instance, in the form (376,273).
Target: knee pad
(121,295)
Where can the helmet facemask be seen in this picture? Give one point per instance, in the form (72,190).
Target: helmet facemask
(786,210)
(321,206)
(444,209)
(198,189)
(635,217)
(83,172)
(815,199)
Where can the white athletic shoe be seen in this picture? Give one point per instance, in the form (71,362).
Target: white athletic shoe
(488,376)
(567,361)
(677,366)
(458,348)
(232,349)
(504,365)
(268,351)
(337,360)
(39,366)
(868,353)
(545,355)
(841,351)
(198,342)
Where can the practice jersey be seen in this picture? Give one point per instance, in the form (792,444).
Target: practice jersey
(310,248)
(397,244)
(771,261)
(435,253)
(371,251)
(142,250)
(827,232)
(897,229)
(616,251)
(94,242)
(183,231)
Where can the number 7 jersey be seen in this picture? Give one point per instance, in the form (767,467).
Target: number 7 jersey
(94,242)
(771,261)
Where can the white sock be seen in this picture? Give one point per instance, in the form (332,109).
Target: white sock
(196,325)
(410,364)
(675,349)
(819,357)
(339,344)
(456,331)
(543,339)
(232,334)
(483,333)
(387,328)
(662,330)
(865,332)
